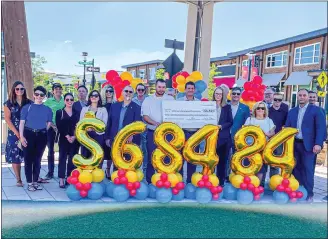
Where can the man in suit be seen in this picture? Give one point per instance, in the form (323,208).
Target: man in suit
(82,93)
(311,125)
(268,99)
(122,114)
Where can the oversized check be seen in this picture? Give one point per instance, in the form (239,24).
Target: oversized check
(190,114)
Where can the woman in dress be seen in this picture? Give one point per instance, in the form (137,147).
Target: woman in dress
(66,120)
(260,118)
(95,105)
(12,108)
(108,96)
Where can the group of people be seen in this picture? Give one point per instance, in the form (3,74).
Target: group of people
(35,125)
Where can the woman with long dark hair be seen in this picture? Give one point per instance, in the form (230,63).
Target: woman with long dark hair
(12,108)
(95,105)
(66,120)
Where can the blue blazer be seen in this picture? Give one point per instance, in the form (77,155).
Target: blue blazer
(226,122)
(132,114)
(241,116)
(77,108)
(313,126)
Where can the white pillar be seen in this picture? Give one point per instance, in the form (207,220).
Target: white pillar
(190,38)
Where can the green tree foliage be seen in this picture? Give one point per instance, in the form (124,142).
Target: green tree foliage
(160,74)
(39,76)
(211,84)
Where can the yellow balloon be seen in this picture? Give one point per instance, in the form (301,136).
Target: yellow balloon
(255,180)
(114,175)
(155,178)
(286,160)
(252,152)
(121,98)
(168,149)
(197,75)
(195,178)
(229,95)
(179,177)
(214,180)
(275,180)
(181,80)
(140,175)
(209,159)
(126,76)
(85,177)
(97,153)
(120,147)
(189,78)
(135,82)
(98,175)
(293,184)
(236,180)
(231,175)
(131,176)
(181,88)
(173,179)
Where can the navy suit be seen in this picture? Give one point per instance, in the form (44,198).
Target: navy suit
(241,116)
(313,129)
(77,107)
(224,142)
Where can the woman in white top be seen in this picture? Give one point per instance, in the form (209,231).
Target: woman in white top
(260,117)
(95,104)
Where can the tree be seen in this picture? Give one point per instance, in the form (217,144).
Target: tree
(39,76)
(160,74)
(211,84)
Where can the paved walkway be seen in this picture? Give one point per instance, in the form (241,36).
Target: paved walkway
(52,192)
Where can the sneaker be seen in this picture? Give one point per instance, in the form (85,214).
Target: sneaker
(49,176)
(37,186)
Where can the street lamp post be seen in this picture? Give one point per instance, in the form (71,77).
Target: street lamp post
(250,58)
(84,54)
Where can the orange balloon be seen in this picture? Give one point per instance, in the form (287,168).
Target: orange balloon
(126,76)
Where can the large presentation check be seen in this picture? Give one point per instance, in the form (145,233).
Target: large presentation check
(190,114)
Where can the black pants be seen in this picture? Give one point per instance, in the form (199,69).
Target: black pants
(222,150)
(67,151)
(36,144)
(191,168)
(51,153)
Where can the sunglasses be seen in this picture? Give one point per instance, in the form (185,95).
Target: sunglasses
(94,96)
(21,89)
(141,90)
(128,91)
(39,94)
(234,93)
(260,108)
(69,100)
(109,91)
(277,100)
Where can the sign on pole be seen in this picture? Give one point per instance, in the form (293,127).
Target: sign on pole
(322,79)
(87,63)
(93,69)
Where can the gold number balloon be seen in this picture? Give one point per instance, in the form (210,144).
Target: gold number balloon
(209,159)
(97,153)
(169,149)
(120,147)
(286,160)
(245,151)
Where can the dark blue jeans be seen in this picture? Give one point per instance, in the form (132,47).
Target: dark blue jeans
(51,134)
(67,151)
(222,150)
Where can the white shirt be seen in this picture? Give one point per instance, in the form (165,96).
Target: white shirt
(301,112)
(152,107)
(265,124)
(218,111)
(234,109)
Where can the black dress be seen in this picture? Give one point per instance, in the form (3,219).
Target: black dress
(107,150)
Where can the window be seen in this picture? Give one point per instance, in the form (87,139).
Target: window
(245,63)
(278,59)
(307,54)
(142,73)
(133,73)
(152,73)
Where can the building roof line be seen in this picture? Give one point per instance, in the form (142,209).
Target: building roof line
(143,63)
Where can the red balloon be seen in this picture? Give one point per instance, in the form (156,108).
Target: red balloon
(136,185)
(126,82)
(167,184)
(79,186)
(208,184)
(251,98)
(257,80)
(123,180)
(174,79)
(288,190)
(83,193)
(117,80)
(245,95)
(75,173)
(111,74)
(247,179)
(220,189)
(243,186)
(256,191)
(285,182)
(214,190)
(247,85)
(175,191)
(261,189)
(185,74)
(129,186)
(121,173)
(205,177)
(257,197)
(159,184)
(299,194)
(204,99)
(250,187)
(163,176)
(74,180)
(87,186)
(180,185)
(133,192)
(117,181)
(216,196)
(175,85)
(201,183)
(280,188)
(292,195)
(69,179)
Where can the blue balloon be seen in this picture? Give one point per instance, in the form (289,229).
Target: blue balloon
(198,95)
(120,193)
(229,192)
(104,185)
(190,191)
(180,95)
(244,197)
(280,197)
(179,196)
(96,191)
(109,189)
(73,193)
(203,195)
(152,191)
(200,86)
(142,192)
(163,195)
(221,196)
(305,193)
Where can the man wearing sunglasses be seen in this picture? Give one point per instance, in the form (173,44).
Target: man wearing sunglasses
(54,103)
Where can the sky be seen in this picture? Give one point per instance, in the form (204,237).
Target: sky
(120,33)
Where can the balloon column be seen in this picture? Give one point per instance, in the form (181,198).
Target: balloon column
(120,81)
(180,79)
(253,91)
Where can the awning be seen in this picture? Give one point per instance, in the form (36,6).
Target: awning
(272,79)
(229,81)
(299,78)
